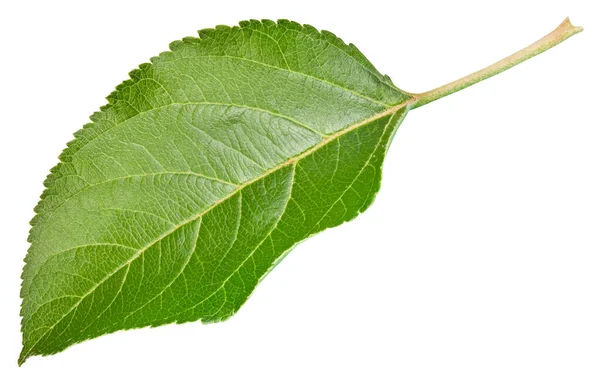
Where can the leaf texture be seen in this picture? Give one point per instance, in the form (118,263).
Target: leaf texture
(206,167)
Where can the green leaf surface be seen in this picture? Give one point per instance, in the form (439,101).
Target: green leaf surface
(205,168)
(203,171)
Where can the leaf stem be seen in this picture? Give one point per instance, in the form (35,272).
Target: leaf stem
(560,34)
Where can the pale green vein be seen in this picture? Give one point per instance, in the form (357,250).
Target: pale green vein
(185,264)
(251,254)
(292,160)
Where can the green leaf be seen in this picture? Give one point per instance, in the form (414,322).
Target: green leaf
(204,170)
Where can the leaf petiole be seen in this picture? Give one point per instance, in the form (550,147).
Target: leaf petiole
(560,34)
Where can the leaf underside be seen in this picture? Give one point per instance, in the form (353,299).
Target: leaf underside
(204,169)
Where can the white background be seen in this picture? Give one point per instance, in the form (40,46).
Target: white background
(478,263)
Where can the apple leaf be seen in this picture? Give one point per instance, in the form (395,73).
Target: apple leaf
(206,168)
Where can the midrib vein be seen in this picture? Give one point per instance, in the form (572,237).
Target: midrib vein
(291,161)
(250,254)
(289,197)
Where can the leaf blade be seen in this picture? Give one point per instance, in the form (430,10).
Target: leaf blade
(152,169)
